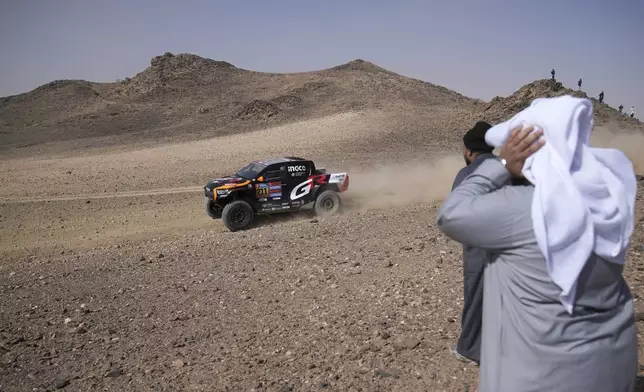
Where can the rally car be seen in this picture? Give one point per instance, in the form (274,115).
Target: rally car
(272,186)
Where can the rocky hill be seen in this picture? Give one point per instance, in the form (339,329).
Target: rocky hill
(184,97)
(188,96)
(502,108)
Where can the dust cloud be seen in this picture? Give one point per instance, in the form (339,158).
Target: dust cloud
(427,182)
(402,184)
(629,142)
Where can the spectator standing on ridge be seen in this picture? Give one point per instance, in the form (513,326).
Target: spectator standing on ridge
(632,111)
(601,97)
(579,84)
(553,74)
(621,107)
(468,346)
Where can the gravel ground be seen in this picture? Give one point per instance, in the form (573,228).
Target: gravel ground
(112,277)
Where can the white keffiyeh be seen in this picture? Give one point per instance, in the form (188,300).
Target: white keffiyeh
(584,196)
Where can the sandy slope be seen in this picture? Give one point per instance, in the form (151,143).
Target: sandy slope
(342,140)
(185,163)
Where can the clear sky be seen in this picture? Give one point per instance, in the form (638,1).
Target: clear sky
(480,48)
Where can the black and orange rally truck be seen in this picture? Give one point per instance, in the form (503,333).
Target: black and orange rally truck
(272,186)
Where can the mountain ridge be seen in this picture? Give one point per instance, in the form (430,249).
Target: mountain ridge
(186,96)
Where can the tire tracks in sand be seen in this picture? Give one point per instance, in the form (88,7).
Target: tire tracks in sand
(108,195)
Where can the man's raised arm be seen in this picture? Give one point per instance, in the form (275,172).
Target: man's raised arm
(481,212)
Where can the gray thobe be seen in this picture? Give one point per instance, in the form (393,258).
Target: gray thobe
(469,341)
(529,342)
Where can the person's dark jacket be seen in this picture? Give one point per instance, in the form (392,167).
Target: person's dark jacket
(474,259)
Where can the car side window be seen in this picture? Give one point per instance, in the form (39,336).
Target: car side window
(272,175)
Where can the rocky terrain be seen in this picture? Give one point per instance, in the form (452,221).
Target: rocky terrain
(113,278)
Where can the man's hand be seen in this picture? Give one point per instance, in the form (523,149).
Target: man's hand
(520,145)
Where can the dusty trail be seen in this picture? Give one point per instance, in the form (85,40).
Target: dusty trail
(109,195)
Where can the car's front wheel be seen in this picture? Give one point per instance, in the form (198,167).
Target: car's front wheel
(212,210)
(237,215)
(327,203)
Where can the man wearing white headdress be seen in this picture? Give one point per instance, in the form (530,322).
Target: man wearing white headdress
(557,313)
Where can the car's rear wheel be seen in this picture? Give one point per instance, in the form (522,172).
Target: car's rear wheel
(327,203)
(212,210)
(237,215)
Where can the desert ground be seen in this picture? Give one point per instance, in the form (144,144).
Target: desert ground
(114,279)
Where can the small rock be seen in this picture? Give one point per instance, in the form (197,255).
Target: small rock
(87,201)
(177,363)
(356,264)
(406,344)
(113,372)
(313,221)
(67,320)
(161,255)
(388,263)
(60,383)
(382,373)
(369,347)
(80,329)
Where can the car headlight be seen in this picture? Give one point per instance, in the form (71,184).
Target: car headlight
(223,192)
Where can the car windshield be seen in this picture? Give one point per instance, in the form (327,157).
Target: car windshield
(251,170)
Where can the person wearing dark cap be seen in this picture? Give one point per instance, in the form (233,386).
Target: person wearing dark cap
(468,346)
(474,146)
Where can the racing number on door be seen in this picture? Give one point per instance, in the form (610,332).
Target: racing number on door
(262,190)
(302,189)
